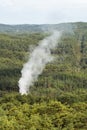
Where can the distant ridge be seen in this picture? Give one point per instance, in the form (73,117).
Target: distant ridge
(31,28)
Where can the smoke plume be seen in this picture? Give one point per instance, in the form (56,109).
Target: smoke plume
(40,56)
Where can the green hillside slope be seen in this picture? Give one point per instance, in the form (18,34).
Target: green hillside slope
(58,99)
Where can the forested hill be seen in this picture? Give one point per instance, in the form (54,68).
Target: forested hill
(26,28)
(58,100)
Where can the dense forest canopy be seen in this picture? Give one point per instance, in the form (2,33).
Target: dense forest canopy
(58,100)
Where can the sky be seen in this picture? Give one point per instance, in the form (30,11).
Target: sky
(42,11)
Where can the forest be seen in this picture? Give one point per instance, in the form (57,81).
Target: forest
(58,100)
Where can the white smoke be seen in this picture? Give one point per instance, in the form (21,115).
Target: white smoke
(40,56)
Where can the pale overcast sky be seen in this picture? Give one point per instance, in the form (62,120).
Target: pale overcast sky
(42,11)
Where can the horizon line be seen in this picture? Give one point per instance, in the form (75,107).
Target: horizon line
(13,24)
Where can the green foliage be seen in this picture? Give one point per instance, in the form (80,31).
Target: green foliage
(45,115)
(58,100)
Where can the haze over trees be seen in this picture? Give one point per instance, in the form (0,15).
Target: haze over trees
(58,100)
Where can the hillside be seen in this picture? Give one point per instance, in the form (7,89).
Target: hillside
(32,28)
(59,97)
